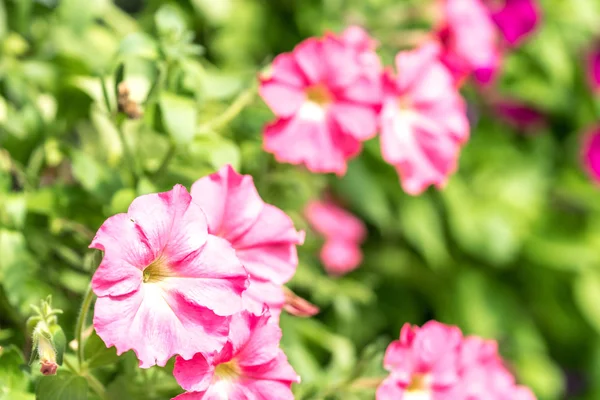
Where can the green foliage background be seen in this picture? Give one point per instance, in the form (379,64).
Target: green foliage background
(509,250)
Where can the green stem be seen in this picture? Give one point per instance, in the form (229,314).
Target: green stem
(79,328)
(96,386)
(243,100)
(126,149)
(165,162)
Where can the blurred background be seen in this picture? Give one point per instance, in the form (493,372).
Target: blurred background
(509,250)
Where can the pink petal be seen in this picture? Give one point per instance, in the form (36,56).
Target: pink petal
(390,390)
(341,68)
(156,325)
(282,99)
(268,248)
(309,57)
(255,339)
(266,390)
(591,154)
(195,374)
(195,396)
(354,119)
(230,201)
(263,292)
(278,369)
(285,70)
(212,277)
(126,253)
(333,222)
(517,19)
(340,257)
(170,218)
(299,141)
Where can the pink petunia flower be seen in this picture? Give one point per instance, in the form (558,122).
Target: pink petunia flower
(591,153)
(165,286)
(516,19)
(423,120)
(435,362)
(343,234)
(593,69)
(469,41)
(422,363)
(262,235)
(250,366)
(325,95)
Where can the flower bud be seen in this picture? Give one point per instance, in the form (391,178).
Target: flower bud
(48,337)
(298,306)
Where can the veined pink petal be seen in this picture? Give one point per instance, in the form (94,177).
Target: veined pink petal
(167,218)
(255,339)
(194,374)
(157,325)
(266,390)
(277,369)
(126,253)
(213,278)
(261,292)
(230,201)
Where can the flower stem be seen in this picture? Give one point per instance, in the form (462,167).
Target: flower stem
(165,162)
(243,100)
(96,386)
(79,328)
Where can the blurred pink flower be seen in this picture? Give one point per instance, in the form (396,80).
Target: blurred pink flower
(343,234)
(516,19)
(165,285)
(325,94)
(435,362)
(422,362)
(591,153)
(423,120)
(519,115)
(594,69)
(250,366)
(469,41)
(262,235)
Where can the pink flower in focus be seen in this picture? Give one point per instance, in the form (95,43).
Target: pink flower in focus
(250,366)
(165,285)
(516,19)
(594,69)
(422,363)
(423,120)
(343,234)
(591,153)
(325,95)
(262,235)
(469,40)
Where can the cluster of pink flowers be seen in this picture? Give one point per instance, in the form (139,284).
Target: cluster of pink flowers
(435,362)
(200,276)
(343,234)
(330,94)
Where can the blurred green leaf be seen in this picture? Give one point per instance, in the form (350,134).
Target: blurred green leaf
(62,386)
(179,117)
(96,353)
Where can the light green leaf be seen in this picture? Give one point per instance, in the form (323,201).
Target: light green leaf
(179,116)
(140,45)
(63,386)
(12,378)
(587,295)
(97,354)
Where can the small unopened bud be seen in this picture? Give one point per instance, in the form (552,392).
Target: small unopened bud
(48,337)
(298,306)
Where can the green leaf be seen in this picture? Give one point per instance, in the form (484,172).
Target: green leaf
(140,45)
(12,378)
(63,386)
(179,116)
(97,354)
(587,295)
(169,21)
